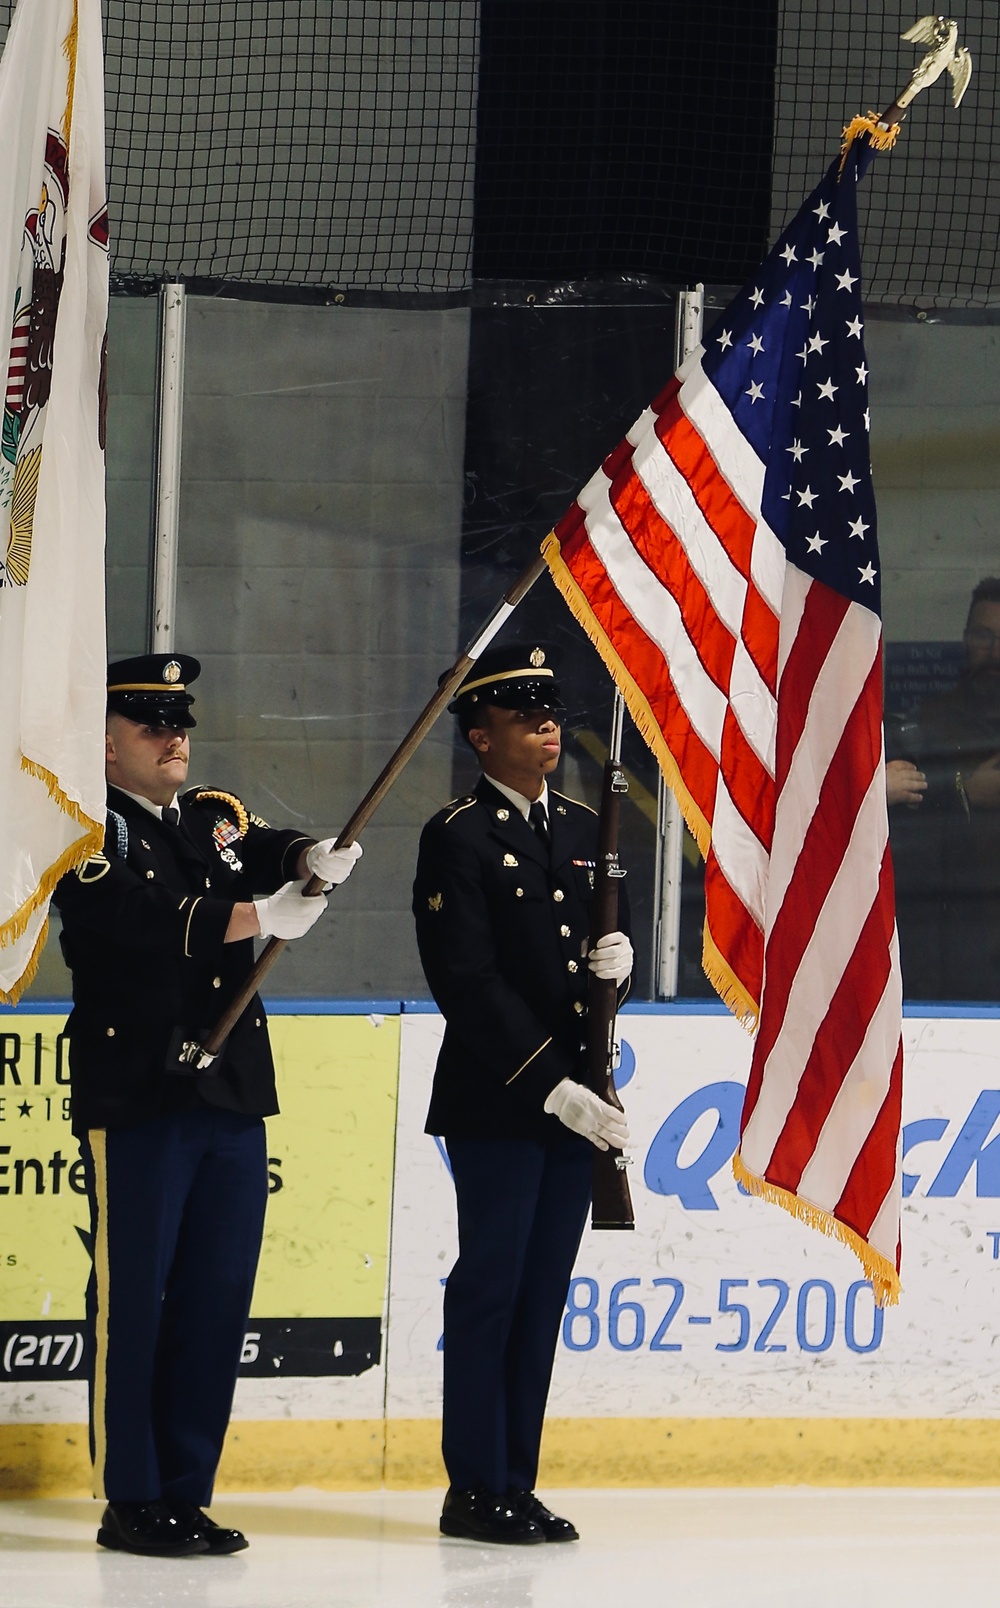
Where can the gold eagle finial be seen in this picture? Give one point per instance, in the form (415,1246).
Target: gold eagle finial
(941,33)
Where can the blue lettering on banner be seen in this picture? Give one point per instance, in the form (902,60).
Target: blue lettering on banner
(969,1151)
(663,1173)
(625,1070)
(919,1133)
(633,1321)
(822,1317)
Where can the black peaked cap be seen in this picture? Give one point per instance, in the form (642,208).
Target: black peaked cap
(152,688)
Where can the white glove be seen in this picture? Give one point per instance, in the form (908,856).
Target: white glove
(583,1111)
(286,914)
(611,957)
(332,865)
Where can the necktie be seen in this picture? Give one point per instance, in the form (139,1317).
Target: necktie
(169,816)
(538,820)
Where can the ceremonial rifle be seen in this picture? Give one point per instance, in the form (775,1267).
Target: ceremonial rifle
(612,1199)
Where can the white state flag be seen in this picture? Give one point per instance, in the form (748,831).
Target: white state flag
(53,321)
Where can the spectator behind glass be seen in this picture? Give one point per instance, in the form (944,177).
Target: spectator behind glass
(946,845)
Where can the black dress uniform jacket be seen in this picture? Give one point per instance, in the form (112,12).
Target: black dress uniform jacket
(144,924)
(502,927)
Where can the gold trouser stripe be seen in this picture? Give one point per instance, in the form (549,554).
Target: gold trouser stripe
(97,1139)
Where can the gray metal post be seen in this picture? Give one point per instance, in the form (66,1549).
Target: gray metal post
(670,824)
(166,466)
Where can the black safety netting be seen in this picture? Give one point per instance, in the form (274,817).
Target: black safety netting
(420,146)
(306,142)
(930,209)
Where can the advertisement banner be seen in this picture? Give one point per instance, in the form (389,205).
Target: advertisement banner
(719,1305)
(320,1295)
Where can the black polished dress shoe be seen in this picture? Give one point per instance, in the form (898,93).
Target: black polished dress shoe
(219,1539)
(552,1527)
(150,1528)
(484,1516)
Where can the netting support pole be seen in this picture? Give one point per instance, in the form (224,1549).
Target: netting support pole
(670,825)
(167,428)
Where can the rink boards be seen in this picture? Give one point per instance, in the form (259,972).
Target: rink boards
(719,1343)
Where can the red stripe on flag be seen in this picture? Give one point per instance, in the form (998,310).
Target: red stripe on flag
(845,784)
(663,554)
(747,781)
(646,666)
(759,630)
(874,1172)
(838,1040)
(821,619)
(730,523)
(618,460)
(733,930)
(666,396)
(720,507)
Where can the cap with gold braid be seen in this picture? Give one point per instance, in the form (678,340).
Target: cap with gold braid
(520,676)
(151,689)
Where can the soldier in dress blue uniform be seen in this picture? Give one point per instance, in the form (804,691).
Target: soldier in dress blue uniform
(502,905)
(158,932)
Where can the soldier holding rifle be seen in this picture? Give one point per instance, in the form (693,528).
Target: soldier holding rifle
(501,899)
(158,931)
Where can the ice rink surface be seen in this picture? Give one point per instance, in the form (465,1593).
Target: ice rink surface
(780,1548)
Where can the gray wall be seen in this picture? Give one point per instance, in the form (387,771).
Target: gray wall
(131,384)
(935,393)
(318,582)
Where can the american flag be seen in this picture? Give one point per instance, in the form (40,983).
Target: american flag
(724,560)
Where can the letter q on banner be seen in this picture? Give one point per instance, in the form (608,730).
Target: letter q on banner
(665,1175)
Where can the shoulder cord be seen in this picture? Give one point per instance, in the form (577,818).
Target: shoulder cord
(121,833)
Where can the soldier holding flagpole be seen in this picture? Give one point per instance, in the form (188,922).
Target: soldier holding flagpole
(157,929)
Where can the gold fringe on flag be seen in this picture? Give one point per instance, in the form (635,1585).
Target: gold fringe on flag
(878,1268)
(719,973)
(70,46)
(726,984)
(882,139)
(91,841)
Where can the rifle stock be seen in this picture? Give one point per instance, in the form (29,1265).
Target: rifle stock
(612,1199)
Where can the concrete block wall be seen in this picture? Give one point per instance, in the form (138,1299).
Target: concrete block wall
(935,399)
(318,582)
(131,387)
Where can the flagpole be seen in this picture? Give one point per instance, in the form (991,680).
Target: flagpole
(201,1055)
(944,56)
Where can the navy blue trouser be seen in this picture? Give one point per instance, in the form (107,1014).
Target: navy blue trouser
(521,1211)
(177,1213)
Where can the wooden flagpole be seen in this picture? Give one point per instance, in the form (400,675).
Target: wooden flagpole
(201,1055)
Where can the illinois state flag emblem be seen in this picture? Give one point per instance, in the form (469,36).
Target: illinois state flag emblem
(53,324)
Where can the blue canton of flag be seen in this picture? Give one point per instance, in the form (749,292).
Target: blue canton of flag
(788,357)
